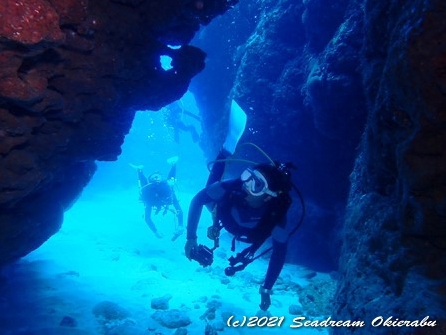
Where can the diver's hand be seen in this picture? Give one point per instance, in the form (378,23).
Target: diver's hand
(213,233)
(265,298)
(190,244)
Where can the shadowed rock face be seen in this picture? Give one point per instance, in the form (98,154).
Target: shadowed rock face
(393,261)
(72,74)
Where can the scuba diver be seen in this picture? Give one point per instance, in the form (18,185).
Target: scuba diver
(159,195)
(175,119)
(252,208)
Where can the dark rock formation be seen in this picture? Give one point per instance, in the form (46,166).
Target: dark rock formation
(73,73)
(394,255)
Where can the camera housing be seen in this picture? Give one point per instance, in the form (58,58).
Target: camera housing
(203,255)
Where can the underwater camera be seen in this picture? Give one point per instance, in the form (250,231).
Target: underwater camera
(203,255)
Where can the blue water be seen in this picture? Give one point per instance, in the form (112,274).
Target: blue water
(105,255)
(151,142)
(104,252)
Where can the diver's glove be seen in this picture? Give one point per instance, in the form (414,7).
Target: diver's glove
(213,233)
(190,244)
(265,298)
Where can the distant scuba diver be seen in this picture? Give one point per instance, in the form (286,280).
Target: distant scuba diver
(175,119)
(252,208)
(159,195)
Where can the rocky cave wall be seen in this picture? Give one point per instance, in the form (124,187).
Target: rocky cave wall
(72,75)
(393,261)
(305,85)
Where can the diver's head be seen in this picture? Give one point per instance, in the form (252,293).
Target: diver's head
(266,179)
(155,177)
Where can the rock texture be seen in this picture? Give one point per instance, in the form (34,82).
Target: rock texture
(394,257)
(73,72)
(308,73)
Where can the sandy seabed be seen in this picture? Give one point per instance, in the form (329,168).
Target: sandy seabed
(104,252)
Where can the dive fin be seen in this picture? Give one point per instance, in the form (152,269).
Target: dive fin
(136,167)
(172,160)
(237,123)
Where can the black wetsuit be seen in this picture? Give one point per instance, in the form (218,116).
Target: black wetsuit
(159,196)
(251,225)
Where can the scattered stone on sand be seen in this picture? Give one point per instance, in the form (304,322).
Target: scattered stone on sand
(161,303)
(173,318)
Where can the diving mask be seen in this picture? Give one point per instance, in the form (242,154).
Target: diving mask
(255,183)
(155,177)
